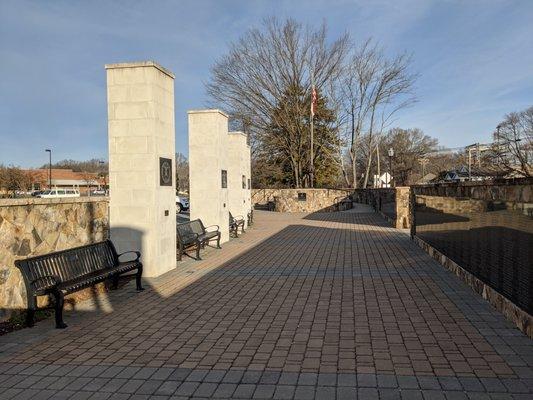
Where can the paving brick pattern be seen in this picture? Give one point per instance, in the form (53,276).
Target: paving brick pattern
(325,306)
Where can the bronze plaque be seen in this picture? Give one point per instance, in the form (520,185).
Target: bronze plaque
(165,171)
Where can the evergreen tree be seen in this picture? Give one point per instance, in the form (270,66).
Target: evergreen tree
(285,152)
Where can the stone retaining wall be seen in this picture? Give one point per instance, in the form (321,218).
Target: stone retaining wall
(392,203)
(310,200)
(30,227)
(519,317)
(483,233)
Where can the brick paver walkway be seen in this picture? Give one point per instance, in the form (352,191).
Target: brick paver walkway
(329,306)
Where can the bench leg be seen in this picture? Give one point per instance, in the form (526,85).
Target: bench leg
(30,312)
(115,281)
(198,247)
(180,252)
(60,301)
(30,317)
(218,242)
(138,278)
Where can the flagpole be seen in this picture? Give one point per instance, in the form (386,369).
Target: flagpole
(312,172)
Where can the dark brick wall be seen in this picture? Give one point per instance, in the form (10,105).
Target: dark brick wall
(487,229)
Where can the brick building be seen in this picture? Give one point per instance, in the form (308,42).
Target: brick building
(65,178)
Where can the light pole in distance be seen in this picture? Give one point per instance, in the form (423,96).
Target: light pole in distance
(391,154)
(49,168)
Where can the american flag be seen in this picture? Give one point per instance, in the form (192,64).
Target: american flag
(313,101)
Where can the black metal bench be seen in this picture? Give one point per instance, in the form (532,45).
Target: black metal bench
(235,223)
(195,234)
(68,271)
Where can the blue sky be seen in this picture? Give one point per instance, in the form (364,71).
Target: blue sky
(475,59)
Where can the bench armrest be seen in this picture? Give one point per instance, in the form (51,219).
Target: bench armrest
(46,285)
(137,253)
(237,217)
(212,226)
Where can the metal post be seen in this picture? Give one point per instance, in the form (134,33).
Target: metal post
(469,164)
(391,154)
(49,168)
(393,182)
(312,172)
(390,170)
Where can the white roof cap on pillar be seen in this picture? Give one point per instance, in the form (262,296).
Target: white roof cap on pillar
(140,64)
(208,111)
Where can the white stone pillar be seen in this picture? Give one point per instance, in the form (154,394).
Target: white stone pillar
(142,183)
(239,173)
(208,158)
(248,173)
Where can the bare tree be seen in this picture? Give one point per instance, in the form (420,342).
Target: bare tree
(13,179)
(93,165)
(253,79)
(182,173)
(374,88)
(90,178)
(410,146)
(513,143)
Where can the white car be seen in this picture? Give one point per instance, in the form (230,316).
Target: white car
(182,203)
(56,193)
(99,192)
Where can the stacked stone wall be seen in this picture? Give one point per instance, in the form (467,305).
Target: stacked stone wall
(287,200)
(31,227)
(392,203)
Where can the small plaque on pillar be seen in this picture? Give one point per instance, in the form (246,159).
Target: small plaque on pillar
(165,171)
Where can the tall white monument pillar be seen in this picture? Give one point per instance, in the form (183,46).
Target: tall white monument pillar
(239,174)
(208,168)
(142,183)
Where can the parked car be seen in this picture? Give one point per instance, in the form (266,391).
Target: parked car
(56,193)
(182,203)
(99,192)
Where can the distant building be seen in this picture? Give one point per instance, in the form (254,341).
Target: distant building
(65,178)
(426,179)
(462,175)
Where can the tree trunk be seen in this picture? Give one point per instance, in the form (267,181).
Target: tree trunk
(378,160)
(296,175)
(353,157)
(353,149)
(368,164)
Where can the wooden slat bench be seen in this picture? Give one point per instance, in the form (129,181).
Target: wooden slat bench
(63,272)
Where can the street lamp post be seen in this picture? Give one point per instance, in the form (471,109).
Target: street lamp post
(103,172)
(391,154)
(49,168)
